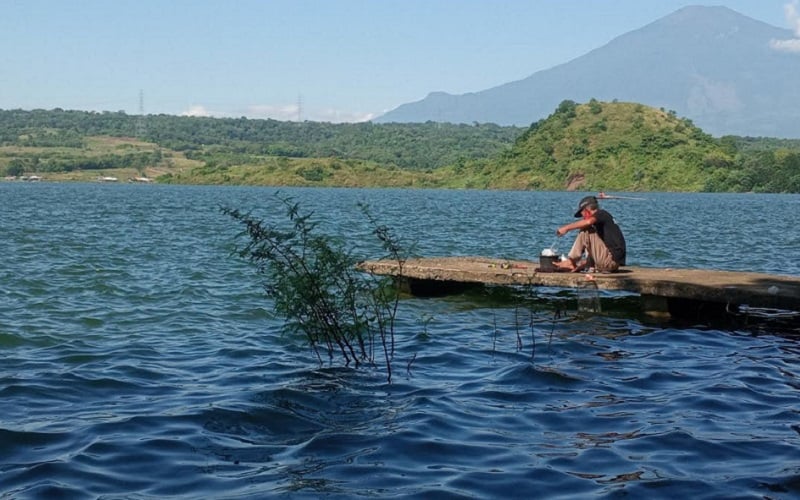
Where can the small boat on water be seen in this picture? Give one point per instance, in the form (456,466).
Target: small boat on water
(602,196)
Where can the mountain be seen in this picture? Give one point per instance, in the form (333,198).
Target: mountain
(709,64)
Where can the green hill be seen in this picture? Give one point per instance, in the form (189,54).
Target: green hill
(612,146)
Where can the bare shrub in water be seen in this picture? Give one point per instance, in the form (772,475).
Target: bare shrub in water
(315,286)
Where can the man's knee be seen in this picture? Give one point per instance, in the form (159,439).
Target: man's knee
(609,267)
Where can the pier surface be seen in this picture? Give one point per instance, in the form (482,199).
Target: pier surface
(730,289)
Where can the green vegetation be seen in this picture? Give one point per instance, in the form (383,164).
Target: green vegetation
(604,146)
(316,287)
(283,171)
(631,147)
(95,156)
(228,141)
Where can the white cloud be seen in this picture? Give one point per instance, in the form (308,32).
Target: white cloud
(793,16)
(284,112)
(792,11)
(290,112)
(337,116)
(792,45)
(197,110)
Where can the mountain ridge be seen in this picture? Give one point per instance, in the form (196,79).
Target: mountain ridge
(710,64)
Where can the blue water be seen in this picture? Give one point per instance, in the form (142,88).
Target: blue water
(141,360)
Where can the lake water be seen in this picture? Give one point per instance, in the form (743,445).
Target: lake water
(141,360)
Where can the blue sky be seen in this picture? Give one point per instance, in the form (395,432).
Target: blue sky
(338,60)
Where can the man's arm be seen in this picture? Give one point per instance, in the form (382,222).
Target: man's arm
(580,224)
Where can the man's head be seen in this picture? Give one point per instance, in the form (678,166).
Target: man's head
(586,203)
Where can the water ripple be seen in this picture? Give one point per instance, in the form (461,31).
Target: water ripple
(140,360)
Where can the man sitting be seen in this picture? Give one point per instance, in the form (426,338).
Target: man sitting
(599,244)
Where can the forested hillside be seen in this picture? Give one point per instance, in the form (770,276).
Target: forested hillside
(601,146)
(615,146)
(225,141)
(632,147)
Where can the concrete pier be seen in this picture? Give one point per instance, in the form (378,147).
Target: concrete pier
(665,290)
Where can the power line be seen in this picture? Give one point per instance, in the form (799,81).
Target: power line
(141,126)
(299,107)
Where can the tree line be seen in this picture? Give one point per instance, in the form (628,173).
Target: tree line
(417,146)
(654,151)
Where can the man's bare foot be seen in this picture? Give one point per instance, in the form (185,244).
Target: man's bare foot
(580,266)
(565,265)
